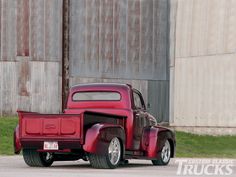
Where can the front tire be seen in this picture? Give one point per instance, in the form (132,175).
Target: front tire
(165,155)
(109,160)
(37,159)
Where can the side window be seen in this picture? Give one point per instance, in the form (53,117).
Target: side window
(137,101)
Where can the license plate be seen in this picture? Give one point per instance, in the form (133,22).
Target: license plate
(50,145)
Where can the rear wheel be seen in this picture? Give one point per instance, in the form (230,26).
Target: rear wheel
(165,155)
(37,159)
(109,160)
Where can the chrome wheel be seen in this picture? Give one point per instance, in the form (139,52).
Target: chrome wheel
(114,151)
(165,153)
(110,159)
(47,156)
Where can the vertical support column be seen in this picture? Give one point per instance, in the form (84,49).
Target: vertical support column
(65,51)
(173,7)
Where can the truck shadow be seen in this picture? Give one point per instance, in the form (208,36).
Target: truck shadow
(87,165)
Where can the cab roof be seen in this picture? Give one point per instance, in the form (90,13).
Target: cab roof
(100,86)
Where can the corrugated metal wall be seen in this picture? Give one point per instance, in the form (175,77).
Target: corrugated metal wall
(109,41)
(30,55)
(122,41)
(204,68)
(119,39)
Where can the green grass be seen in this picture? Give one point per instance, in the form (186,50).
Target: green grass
(188,145)
(7,126)
(191,145)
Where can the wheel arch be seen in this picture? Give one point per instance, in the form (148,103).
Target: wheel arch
(98,137)
(154,139)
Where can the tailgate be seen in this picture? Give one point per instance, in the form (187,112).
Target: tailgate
(50,126)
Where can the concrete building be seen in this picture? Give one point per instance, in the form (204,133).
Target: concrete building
(179,53)
(203,72)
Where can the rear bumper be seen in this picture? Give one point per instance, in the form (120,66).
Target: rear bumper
(38,144)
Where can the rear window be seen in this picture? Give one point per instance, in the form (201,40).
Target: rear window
(96,96)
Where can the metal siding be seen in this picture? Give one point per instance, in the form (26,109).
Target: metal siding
(8,29)
(37,29)
(26,35)
(121,39)
(92,37)
(8,92)
(44,87)
(160,37)
(106,38)
(23,28)
(53,30)
(77,33)
(146,61)
(23,83)
(158,99)
(133,38)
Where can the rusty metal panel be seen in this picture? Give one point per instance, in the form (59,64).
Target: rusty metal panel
(119,39)
(30,86)
(160,38)
(37,30)
(45,86)
(23,83)
(146,36)
(8,88)
(77,33)
(8,29)
(92,37)
(30,30)
(106,38)
(133,37)
(53,30)
(23,28)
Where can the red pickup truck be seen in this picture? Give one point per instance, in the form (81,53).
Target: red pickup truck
(103,123)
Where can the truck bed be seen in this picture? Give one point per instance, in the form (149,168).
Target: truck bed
(37,128)
(66,129)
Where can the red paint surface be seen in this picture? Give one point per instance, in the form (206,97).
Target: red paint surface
(135,127)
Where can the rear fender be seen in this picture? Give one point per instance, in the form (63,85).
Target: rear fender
(17,144)
(98,137)
(154,139)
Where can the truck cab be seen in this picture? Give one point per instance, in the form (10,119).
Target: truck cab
(104,123)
